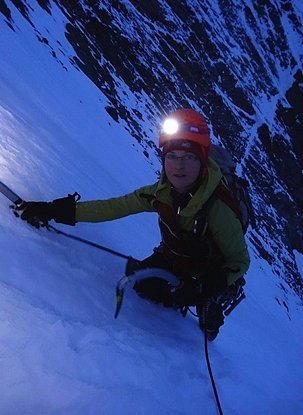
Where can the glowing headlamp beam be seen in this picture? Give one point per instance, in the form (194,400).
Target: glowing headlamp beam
(170,126)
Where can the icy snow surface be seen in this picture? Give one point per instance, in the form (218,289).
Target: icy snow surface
(61,351)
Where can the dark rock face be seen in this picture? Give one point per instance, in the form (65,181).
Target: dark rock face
(240,63)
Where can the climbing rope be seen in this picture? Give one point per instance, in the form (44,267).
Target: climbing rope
(213,383)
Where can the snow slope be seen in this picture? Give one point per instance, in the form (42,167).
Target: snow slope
(61,351)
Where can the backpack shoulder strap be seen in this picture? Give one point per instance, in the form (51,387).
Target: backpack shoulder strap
(224,193)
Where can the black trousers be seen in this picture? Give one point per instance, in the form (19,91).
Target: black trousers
(160,291)
(190,294)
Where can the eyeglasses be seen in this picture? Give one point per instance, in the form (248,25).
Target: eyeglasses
(188,157)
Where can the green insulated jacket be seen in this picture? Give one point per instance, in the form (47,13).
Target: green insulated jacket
(224,227)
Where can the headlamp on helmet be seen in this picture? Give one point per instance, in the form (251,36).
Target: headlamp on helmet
(170,126)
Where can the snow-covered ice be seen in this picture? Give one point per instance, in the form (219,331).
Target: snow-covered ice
(61,351)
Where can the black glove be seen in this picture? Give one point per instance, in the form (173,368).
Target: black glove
(61,210)
(154,289)
(214,284)
(35,213)
(189,293)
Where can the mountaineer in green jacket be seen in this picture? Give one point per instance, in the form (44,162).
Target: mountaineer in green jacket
(202,239)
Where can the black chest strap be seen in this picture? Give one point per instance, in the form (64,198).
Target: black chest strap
(201,218)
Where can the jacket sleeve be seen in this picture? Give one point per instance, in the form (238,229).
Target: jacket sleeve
(227,234)
(115,208)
